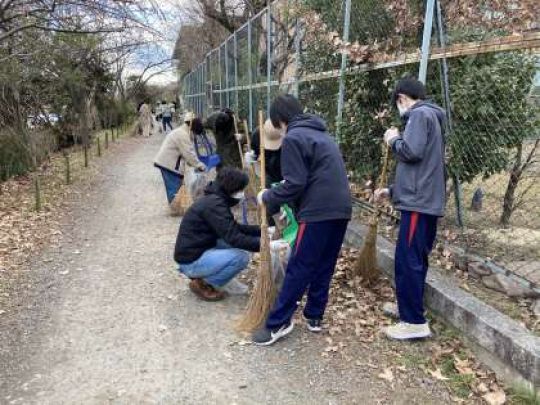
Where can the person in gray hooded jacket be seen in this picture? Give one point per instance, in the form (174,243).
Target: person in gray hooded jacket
(419,192)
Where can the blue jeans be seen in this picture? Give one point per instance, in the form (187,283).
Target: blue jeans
(417,233)
(173,182)
(166,121)
(217,266)
(310,270)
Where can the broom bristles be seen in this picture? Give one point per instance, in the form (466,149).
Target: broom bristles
(264,293)
(366,265)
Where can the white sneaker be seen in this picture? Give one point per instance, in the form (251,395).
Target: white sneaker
(391,310)
(406,331)
(234,287)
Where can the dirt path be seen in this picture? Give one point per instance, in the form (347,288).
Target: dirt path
(104,318)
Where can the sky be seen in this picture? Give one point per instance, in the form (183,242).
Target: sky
(168,26)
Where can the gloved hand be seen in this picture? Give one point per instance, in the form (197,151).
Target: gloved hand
(390,136)
(271,232)
(239,137)
(249,157)
(277,245)
(260,197)
(381,194)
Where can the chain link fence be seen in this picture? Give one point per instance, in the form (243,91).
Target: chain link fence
(480,62)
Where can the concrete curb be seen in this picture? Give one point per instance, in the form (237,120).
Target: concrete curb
(508,348)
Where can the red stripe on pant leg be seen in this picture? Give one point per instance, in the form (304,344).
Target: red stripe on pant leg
(300,235)
(412,226)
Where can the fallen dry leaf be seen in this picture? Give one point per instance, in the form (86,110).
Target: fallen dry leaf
(437,374)
(387,375)
(495,397)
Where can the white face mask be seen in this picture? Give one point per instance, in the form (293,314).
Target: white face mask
(402,110)
(239,195)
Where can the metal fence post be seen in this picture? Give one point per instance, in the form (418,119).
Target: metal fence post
(208,84)
(426,40)
(441,39)
(341,94)
(235,38)
(268,56)
(227,96)
(250,76)
(220,79)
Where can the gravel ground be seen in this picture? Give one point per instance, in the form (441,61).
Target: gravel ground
(102,317)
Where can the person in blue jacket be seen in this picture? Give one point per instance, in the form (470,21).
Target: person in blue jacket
(315,182)
(419,192)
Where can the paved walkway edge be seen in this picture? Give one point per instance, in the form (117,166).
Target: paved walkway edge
(508,348)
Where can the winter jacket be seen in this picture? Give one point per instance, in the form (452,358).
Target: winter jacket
(210,218)
(222,126)
(315,179)
(420,183)
(176,151)
(272,158)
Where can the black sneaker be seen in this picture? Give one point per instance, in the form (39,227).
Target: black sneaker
(267,337)
(314,325)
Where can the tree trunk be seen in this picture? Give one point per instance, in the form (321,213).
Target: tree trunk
(513,182)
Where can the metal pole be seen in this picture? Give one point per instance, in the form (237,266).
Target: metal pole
(235,38)
(227,95)
(220,79)
(426,41)
(341,95)
(441,39)
(268,56)
(250,76)
(208,84)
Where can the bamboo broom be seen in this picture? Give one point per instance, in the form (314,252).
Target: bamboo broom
(366,265)
(251,170)
(264,292)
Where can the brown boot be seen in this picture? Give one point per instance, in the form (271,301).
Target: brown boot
(205,291)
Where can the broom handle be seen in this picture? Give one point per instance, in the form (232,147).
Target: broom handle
(384,173)
(239,144)
(264,221)
(247,134)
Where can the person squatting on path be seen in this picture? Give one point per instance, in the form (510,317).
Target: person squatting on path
(419,193)
(177,151)
(272,152)
(211,247)
(315,182)
(167,111)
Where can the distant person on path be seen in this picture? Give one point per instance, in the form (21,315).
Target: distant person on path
(167,111)
(419,192)
(177,151)
(211,247)
(315,182)
(145,120)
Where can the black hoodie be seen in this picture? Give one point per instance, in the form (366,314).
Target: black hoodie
(210,218)
(315,179)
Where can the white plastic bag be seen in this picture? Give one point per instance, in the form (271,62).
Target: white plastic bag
(279,265)
(195,183)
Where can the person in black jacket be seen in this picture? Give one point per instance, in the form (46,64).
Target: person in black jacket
(315,182)
(272,154)
(211,247)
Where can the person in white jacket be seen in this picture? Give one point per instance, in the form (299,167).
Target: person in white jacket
(178,151)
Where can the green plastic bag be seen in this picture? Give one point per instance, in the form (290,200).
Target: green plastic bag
(291,230)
